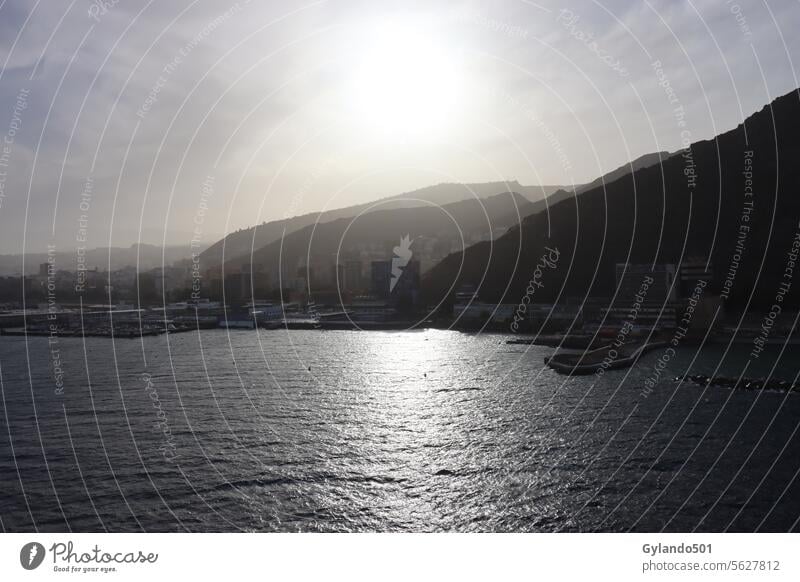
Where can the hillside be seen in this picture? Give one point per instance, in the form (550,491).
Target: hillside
(691,204)
(242,242)
(644,161)
(435,232)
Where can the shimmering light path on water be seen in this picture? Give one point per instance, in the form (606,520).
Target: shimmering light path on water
(382,431)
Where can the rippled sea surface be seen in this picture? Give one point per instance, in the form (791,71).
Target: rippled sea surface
(384,431)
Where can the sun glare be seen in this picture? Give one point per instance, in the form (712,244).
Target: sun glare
(407,83)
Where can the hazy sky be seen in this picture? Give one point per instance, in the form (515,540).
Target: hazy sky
(258,110)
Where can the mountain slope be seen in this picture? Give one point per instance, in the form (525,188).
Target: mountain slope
(692,204)
(644,161)
(435,232)
(242,242)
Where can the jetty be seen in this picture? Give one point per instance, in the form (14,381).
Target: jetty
(607,357)
(571,341)
(741,382)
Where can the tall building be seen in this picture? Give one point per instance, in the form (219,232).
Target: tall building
(408,281)
(646,295)
(352,276)
(238,288)
(380,278)
(632,279)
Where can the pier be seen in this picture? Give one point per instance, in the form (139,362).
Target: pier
(602,358)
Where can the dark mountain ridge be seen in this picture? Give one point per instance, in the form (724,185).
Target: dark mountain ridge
(694,203)
(644,161)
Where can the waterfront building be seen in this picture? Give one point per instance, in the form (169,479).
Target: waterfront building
(692,271)
(380,278)
(631,277)
(477,310)
(353,281)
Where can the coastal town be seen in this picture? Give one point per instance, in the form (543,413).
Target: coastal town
(650,300)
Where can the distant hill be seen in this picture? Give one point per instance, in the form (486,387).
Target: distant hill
(435,233)
(654,214)
(149,257)
(244,241)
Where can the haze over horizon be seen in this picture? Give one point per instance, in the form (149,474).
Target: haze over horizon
(400,266)
(138,115)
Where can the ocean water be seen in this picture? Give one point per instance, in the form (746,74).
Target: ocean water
(384,431)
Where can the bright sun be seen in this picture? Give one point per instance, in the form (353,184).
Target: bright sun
(407,83)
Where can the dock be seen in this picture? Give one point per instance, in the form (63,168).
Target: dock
(603,358)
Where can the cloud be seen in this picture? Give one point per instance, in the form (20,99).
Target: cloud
(255,94)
